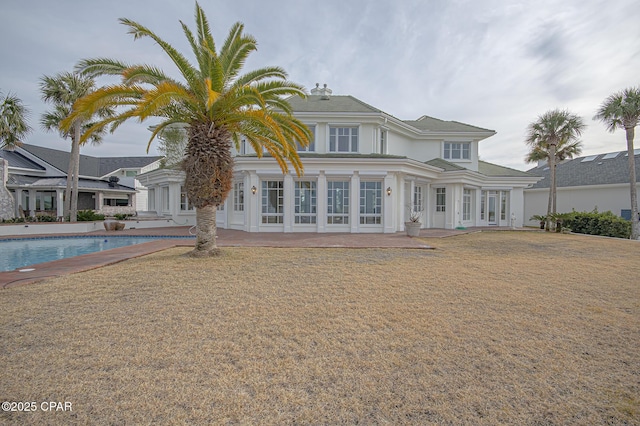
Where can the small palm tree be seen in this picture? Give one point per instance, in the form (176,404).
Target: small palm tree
(215,103)
(622,111)
(13,121)
(554,136)
(63,90)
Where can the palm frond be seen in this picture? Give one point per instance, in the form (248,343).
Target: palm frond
(97,67)
(190,74)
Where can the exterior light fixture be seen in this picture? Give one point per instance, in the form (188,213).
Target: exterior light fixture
(389,190)
(254,189)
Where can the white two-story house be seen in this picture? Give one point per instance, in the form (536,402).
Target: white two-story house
(364,171)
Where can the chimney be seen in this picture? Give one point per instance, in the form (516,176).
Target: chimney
(324,93)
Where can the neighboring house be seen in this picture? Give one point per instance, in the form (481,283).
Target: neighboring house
(37,180)
(592,182)
(363,172)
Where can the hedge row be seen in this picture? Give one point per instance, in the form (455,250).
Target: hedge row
(593,223)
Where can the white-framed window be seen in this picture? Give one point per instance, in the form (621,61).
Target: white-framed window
(441,199)
(305,199)
(243,146)
(466,204)
(343,139)
(383,141)
(370,202)
(483,195)
(418,205)
(312,143)
(338,202)
(457,150)
(272,201)
(151,194)
(238,196)
(185,204)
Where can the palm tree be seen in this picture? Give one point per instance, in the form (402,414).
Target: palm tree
(63,90)
(555,131)
(622,110)
(214,102)
(13,121)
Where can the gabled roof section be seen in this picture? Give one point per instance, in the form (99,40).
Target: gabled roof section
(19,161)
(601,169)
(495,170)
(426,123)
(484,168)
(109,164)
(89,166)
(444,164)
(336,103)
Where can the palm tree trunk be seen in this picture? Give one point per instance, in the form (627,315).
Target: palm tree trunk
(635,231)
(75,161)
(205,232)
(551,207)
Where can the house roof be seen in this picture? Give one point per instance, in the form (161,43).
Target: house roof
(89,166)
(601,169)
(487,169)
(495,170)
(337,103)
(436,125)
(349,104)
(19,161)
(61,182)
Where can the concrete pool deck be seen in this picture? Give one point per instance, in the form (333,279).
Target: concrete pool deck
(226,238)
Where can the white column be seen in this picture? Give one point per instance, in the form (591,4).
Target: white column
(59,202)
(354,201)
(321,207)
(252,216)
(288,201)
(32,203)
(389,208)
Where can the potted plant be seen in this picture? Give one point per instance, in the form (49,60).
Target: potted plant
(413,225)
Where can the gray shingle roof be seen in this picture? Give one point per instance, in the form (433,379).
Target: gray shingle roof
(337,103)
(487,169)
(444,164)
(347,103)
(596,170)
(436,125)
(495,170)
(89,166)
(19,161)
(61,183)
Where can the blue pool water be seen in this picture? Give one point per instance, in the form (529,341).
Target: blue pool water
(19,253)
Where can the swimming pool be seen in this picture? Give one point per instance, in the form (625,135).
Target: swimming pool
(19,253)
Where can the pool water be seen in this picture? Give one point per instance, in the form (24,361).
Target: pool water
(19,253)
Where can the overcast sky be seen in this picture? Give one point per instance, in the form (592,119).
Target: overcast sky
(490,63)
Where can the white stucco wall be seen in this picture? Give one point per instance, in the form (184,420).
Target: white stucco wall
(612,198)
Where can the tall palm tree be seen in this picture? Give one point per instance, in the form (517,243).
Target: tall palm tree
(63,90)
(214,101)
(13,121)
(554,129)
(622,111)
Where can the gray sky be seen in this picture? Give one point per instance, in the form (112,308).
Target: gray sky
(490,63)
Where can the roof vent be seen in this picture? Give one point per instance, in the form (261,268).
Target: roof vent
(113,181)
(324,93)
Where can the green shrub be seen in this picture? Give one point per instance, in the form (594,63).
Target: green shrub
(593,223)
(121,216)
(89,216)
(45,218)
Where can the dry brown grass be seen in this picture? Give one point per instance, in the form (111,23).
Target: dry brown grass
(489,328)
